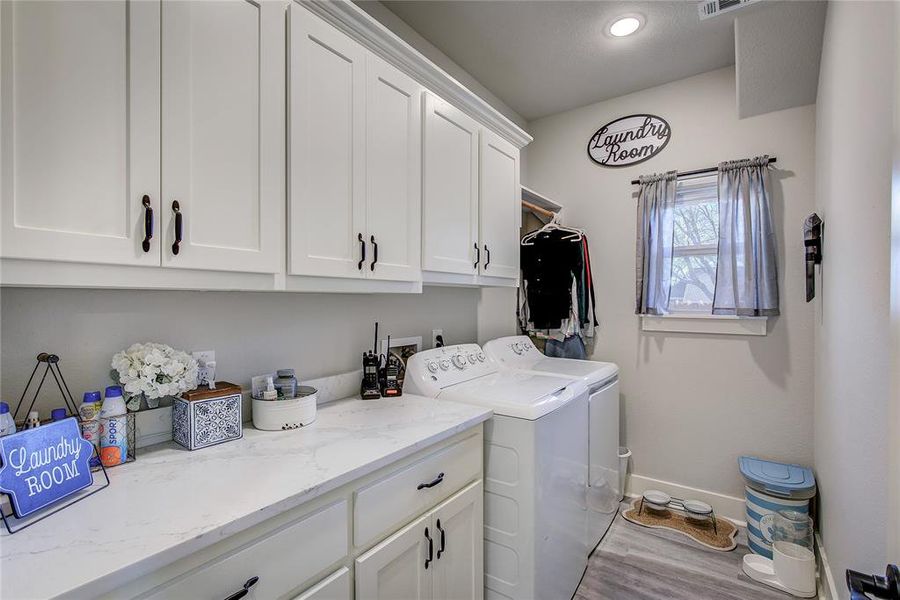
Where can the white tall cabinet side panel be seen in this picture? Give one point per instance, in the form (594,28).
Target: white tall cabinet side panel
(79,124)
(327,106)
(450,203)
(395,568)
(459,546)
(223,134)
(393,171)
(499,200)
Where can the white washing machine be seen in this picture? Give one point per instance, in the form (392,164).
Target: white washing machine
(602,379)
(535,468)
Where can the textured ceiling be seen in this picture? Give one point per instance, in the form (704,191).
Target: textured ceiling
(543,57)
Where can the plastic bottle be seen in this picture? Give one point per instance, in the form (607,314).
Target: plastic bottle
(7,424)
(113,425)
(33,421)
(89,411)
(270,393)
(286,384)
(58,414)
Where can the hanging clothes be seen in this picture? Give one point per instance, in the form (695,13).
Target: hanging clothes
(549,263)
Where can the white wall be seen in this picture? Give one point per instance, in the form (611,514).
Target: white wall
(692,403)
(252,333)
(854,146)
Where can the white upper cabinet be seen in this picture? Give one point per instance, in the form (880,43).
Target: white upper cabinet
(355,159)
(393,172)
(500,206)
(223,135)
(79,126)
(326,203)
(450,204)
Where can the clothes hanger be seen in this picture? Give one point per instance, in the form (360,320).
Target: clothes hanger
(552,225)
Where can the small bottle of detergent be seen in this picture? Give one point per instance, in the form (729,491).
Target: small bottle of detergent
(89,411)
(58,414)
(113,425)
(7,425)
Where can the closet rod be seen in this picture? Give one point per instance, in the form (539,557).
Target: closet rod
(537,209)
(697,172)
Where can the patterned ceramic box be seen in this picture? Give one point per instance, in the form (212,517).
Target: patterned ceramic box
(205,417)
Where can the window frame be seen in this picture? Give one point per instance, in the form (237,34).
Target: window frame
(693,321)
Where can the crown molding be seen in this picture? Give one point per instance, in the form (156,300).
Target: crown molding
(360,26)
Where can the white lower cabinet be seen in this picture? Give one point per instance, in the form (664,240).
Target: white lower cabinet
(439,556)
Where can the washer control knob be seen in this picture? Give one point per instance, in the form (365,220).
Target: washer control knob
(517,348)
(472,358)
(432,366)
(445,364)
(480,356)
(459,361)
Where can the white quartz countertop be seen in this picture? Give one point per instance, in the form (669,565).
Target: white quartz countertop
(172,502)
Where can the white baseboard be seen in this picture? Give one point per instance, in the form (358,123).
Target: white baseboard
(733,509)
(827,587)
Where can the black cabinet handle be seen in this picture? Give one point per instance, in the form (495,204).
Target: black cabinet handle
(477,257)
(244,590)
(430,548)
(443,543)
(487,254)
(362,251)
(148,223)
(431,483)
(176,208)
(374,251)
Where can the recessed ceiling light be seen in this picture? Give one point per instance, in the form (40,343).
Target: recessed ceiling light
(625,25)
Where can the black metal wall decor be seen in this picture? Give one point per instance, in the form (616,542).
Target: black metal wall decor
(629,140)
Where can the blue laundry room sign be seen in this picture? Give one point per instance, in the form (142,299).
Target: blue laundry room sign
(44,465)
(629,140)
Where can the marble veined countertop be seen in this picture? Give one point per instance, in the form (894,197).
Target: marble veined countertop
(172,502)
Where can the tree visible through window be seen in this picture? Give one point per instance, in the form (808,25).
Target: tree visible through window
(696,234)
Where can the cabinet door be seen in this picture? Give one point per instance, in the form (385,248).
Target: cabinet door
(334,587)
(500,202)
(327,142)
(400,566)
(393,172)
(79,128)
(459,546)
(450,204)
(222,134)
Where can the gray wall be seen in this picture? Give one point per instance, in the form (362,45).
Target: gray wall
(252,333)
(692,403)
(854,149)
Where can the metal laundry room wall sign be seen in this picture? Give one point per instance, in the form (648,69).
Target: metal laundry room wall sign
(629,140)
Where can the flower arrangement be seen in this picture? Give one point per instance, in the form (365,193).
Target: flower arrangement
(153,371)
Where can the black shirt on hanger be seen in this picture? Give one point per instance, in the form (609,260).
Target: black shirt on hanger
(548,265)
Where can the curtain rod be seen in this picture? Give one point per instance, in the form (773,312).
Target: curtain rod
(698,172)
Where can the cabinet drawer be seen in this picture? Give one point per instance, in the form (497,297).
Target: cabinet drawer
(393,500)
(334,587)
(282,560)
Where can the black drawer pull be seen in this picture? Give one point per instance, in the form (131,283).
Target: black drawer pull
(487,254)
(176,208)
(431,483)
(362,251)
(477,257)
(148,223)
(244,590)
(443,542)
(374,251)
(430,548)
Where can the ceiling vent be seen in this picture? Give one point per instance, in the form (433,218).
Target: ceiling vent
(713,8)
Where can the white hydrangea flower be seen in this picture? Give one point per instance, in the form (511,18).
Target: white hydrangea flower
(155,370)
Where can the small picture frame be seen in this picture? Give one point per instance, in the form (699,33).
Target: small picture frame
(402,348)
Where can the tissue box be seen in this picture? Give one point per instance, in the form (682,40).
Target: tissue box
(205,417)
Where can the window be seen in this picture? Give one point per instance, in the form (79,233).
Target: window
(696,234)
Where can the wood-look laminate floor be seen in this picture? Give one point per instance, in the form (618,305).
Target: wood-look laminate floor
(638,563)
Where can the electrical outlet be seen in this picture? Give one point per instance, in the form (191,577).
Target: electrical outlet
(207,369)
(434,335)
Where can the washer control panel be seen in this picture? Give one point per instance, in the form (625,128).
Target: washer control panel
(432,370)
(514,351)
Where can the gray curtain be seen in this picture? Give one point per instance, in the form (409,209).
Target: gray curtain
(746,273)
(655,231)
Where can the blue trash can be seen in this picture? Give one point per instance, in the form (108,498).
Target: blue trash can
(770,487)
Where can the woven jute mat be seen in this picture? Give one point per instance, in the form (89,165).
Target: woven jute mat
(700,531)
